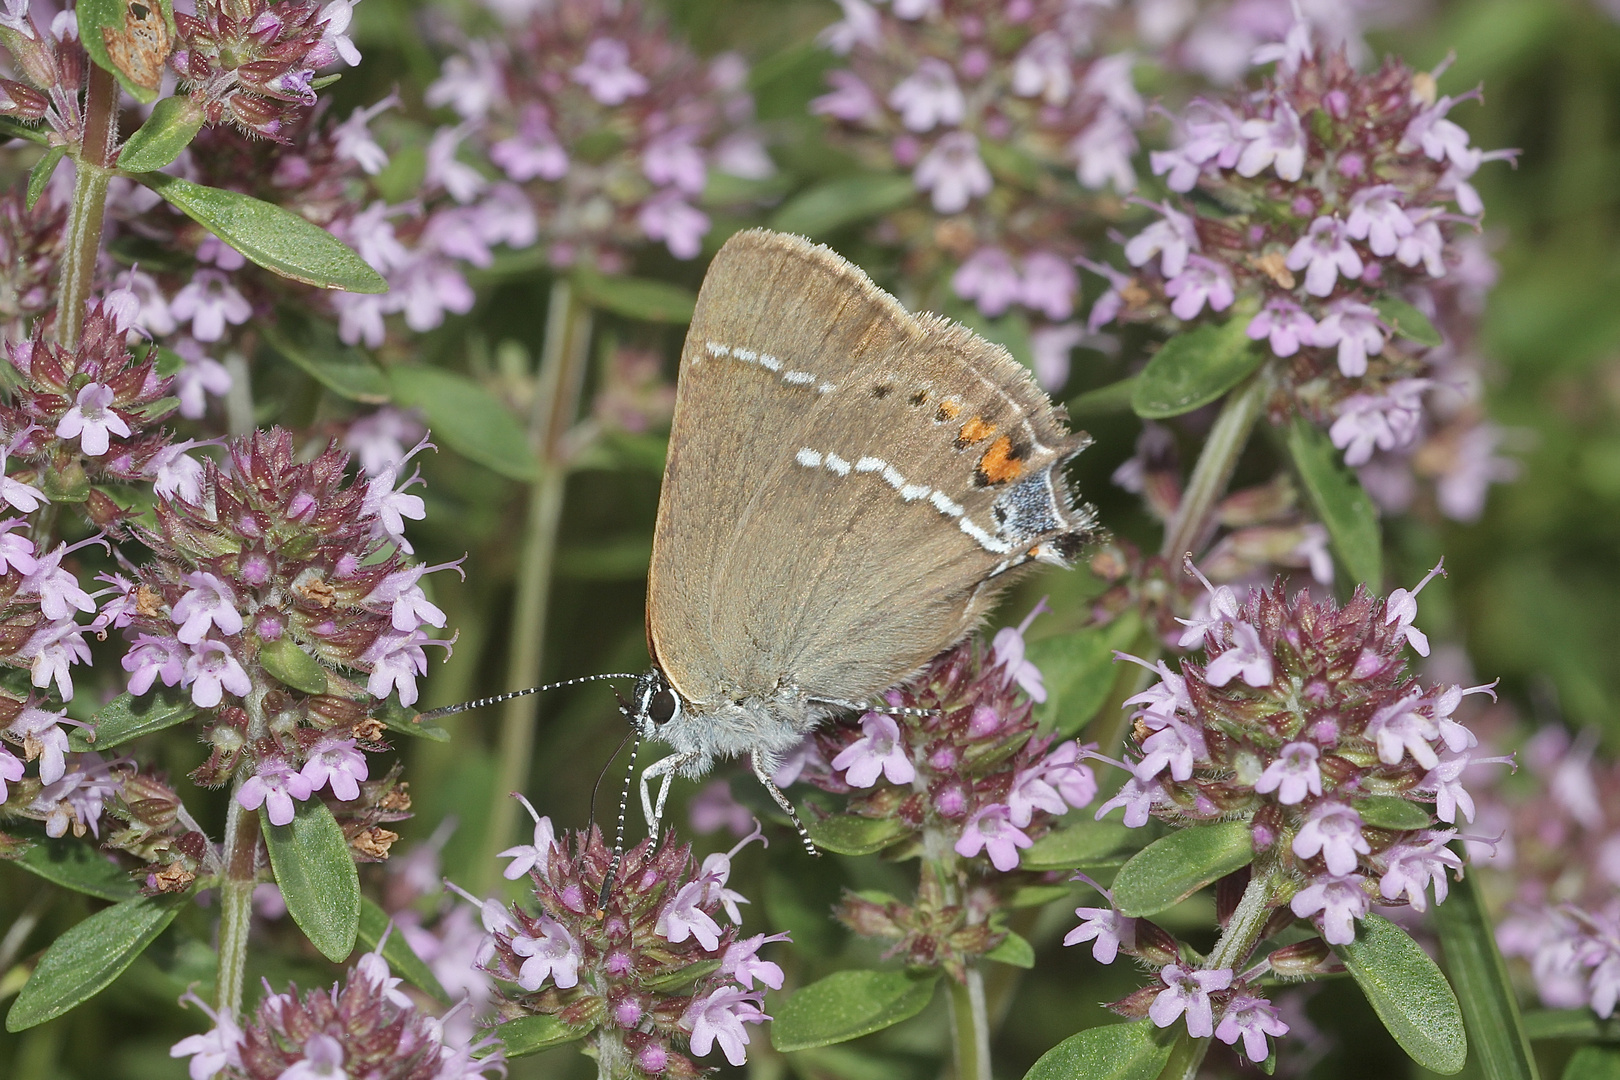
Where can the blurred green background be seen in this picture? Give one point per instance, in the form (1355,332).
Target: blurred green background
(1533,592)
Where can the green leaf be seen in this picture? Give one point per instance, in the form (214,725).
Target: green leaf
(1501,1049)
(313,346)
(1085,843)
(398,952)
(1593,1063)
(1408,993)
(1013,950)
(1174,867)
(1392,812)
(283,659)
(848,199)
(274,238)
(468,419)
(11,127)
(684,976)
(77,865)
(1194,369)
(636,298)
(1105,400)
(126,717)
(396,717)
(1408,321)
(40,174)
(317,876)
(1079,670)
(531,1034)
(95,16)
(847,1005)
(1110,1052)
(173,124)
(1336,495)
(81,962)
(850,834)
(1546,1024)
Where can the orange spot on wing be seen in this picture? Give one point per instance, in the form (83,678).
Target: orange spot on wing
(998,464)
(948,410)
(975,430)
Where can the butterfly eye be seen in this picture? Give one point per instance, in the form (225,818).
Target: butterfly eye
(663,707)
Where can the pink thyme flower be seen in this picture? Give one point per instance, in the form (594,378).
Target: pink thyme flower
(930,97)
(210,302)
(338,763)
(1401,610)
(1251,1019)
(1285,326)
(11,771)
(607,74)
(988,278)
(526,857)
(1172,238)
(1293,775)
(215,1049)
(719,1016)
(1007,653)
(1187,991)
(1387,421)
(1324,253)
(554,955)
(879,750)
(953,173)
(1277,143)
(742,962)
(151,658)
(1355,328)
(274,786)
(1201,281)
(684,917)
(991,830)
(91,420)
(1411,867)
(1106,928)
(1333,830)
(1244,658)
(208,603)
(24,497)
(1049,285)
(42,738)
(1339,901)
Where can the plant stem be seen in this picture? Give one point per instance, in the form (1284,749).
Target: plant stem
(93,171)
(970,1026)
(1236,942)
(560,380)
(1195,517)
(236,900)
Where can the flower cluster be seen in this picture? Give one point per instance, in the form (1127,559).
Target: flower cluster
(1000,113)
(626,971)
(253,64)
(610,124)
(1557,864)
(86,414)
(52,65)
(30,247)
(272,579)
(962,770)
(1302,722)
(1327,210)
(366,1026)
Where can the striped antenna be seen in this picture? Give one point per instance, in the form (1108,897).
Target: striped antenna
(618,831)
(451,710)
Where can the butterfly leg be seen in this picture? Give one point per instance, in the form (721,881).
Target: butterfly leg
(764,776)
(664,768)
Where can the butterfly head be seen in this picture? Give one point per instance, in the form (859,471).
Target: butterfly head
(653,705)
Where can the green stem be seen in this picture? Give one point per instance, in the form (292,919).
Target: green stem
(1195,517)
(236,901)
(560,381)
(93,172)
(1236,942)
(970,1026)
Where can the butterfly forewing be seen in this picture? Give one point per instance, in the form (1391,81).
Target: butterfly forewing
(835,518)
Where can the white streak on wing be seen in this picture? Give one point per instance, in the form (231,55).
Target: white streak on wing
(769,362)
(746,355)
(892,477)
(913,492)
(837,464)
(826,388)
(718,350)
(871,464)
(946,505)
(808,458)
(799,378)
(986,541)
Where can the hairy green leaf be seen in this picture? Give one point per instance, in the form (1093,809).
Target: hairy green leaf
(40,174)
(847,1005)
(83,961)
(1408,321)
(1078,670)
(1193,369)
(1174,867)
(76,864)
(1111,1052)
(374,922)
(317,876)
(531,1034)
(1409,994)
(1392,812)
(125,718)
(849,834)
(1340,502)
(1072,847)
(274,238)
(1500,1048)
(285,661)
(174,122)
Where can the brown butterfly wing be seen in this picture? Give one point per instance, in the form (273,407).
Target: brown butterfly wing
(839,479)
